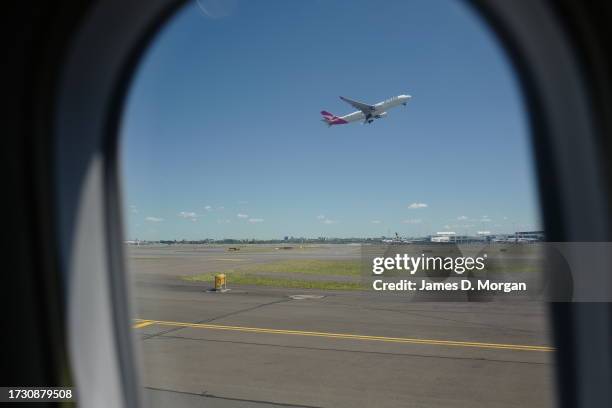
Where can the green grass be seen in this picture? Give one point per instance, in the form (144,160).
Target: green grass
(305,267)
(255,280)
(259,274)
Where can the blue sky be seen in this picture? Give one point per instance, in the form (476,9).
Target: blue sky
(222,135)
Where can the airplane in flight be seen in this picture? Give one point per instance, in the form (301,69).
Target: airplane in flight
(366,113)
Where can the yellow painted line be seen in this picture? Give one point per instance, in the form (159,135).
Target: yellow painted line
(451,343)
(142,323)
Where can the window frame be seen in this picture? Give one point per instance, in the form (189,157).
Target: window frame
(99,63)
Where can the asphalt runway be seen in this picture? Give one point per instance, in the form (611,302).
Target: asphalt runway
(261,347)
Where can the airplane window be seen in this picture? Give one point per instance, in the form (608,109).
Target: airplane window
(276,154)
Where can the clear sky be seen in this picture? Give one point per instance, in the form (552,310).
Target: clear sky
(222,135)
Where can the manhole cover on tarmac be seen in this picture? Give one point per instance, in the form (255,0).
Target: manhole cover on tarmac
(303,297)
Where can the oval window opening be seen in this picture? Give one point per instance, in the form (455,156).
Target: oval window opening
(289,167)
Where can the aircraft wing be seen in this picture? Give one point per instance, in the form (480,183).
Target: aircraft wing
(364,107)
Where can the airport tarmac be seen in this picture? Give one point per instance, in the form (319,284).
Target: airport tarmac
(267,347)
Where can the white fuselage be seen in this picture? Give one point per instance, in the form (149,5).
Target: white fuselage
(381,109)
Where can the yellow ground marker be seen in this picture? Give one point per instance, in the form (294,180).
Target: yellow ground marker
(450,343)
(143,323)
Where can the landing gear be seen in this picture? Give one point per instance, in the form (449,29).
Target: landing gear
(404,103)
(370,120)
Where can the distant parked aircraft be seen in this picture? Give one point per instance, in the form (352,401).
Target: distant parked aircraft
(396,240)
(366,113)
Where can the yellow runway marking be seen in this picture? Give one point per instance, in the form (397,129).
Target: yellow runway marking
(143,323)
(451,343)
